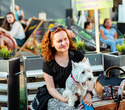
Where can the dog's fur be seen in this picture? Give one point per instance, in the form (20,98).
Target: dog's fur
(82,72)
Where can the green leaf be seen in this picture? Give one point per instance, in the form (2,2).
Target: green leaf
(121,48)
(5,53)
(80,45)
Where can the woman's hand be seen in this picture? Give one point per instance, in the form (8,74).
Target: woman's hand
(87,100)
(65,100)
(0,29)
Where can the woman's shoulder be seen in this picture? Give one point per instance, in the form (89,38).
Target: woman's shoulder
(102,28)
(75,52)
(49,63)
(77,55)
(16,23)
(113,29)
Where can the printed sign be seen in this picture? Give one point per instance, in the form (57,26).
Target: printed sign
(93,4)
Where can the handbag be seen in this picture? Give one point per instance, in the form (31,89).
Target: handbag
(107,86)
(41,99)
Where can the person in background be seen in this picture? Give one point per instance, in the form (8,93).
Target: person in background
(109,35)
(58,51)
(71,33)
(22,21)
(88,27)
(18,12)
(12,28)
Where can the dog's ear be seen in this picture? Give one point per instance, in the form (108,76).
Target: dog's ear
(73,64)
(87,61)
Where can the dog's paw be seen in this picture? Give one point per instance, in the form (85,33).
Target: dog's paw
(64,94)
(71,104)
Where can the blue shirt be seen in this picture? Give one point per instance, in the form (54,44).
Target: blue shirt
(108,33)
(17,14)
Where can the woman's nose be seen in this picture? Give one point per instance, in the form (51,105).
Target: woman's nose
(63,42)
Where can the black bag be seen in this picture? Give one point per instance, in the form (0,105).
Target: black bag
(41,99)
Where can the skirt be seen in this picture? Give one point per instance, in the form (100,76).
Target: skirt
(54,104)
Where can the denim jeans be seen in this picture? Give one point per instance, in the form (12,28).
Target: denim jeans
(112,43)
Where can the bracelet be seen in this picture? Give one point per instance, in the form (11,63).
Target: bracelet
(90,92)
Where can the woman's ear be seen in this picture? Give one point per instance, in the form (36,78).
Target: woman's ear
(52,45)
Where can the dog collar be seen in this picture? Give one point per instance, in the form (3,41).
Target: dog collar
(74,78)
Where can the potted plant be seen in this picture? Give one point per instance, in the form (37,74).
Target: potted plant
(80,45)
(40,49)
(5,53)
(121,49)
(9,68)
(115,59)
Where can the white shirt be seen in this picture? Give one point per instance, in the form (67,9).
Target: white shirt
(17,31)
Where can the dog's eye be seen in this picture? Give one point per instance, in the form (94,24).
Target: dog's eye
(83,72)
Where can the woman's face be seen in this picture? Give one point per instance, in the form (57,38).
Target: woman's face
(10,18)
(108,23)
(60,41)
(90,26)
(17,7)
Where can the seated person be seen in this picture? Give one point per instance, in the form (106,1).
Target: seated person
(30,44)
(58,51)
(22,21)
(12,28)
(72,34)
(88,28)
(109,35)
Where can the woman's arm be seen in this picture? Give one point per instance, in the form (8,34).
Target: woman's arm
(87,98)
(51,88)
(115,36)
(5,31)
(102,34)
(15,29)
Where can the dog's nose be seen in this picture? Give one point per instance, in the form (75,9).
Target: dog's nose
(89,78)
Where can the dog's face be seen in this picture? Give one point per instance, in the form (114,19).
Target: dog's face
(82,71)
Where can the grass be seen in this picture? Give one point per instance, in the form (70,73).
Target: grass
(22,99)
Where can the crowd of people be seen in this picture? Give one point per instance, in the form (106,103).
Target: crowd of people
(58,50)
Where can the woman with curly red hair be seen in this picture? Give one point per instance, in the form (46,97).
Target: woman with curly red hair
(57,50)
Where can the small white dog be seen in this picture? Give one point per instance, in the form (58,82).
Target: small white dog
(76,82)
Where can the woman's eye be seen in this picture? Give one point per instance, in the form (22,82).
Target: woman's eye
(65,39)
(60,41)
(83,72)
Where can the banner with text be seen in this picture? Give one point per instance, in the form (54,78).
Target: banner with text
(93,4)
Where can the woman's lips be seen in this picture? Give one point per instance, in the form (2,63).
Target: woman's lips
(63,46)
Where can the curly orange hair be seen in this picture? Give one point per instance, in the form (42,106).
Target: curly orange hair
(48,52)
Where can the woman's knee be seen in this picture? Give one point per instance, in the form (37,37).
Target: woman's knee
(110,42)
